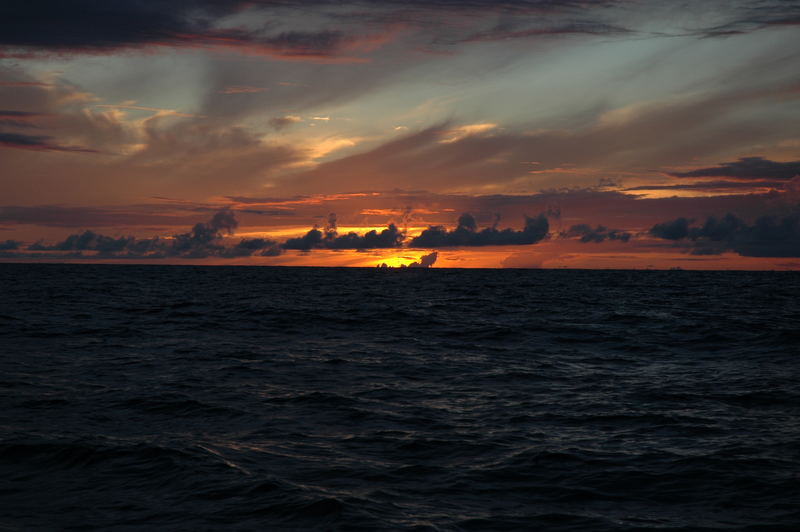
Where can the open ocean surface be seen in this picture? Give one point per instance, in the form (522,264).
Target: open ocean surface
(256,398)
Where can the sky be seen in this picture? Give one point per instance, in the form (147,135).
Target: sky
(438,133)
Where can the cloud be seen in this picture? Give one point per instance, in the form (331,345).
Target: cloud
(18,114)
(503,33)
(201,241)
(19,119)
(426,261)
(250,246)
(745,18)
(200,238)
(597,235)
(282,122)
(283,29)
(205,240)
(768,236)
(674,230)
(647,137)
(748,168)
(466,234)
(713,186)
(94,26)
(88,240)
(196,153)
(391,237)
(37,142)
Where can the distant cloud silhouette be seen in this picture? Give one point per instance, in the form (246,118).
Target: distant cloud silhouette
(426,261)
(202,235)
(768,236)
(674,230)
(467,234)
(310,240)
(200,242)
(391,237)
(598,234)
(251,246)
(88,240)
(9,245)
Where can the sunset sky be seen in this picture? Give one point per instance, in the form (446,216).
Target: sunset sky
(528,133)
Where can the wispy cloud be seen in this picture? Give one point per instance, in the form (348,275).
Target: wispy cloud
(38,143)
(748,168)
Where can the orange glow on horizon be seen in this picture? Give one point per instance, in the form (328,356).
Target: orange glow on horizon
(512,257)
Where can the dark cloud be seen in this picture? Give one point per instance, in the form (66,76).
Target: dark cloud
(37,142)
(19,118)
(9,245)
(674,230)
(96,26)
(426,261)
(201,241)
(718,229)
(251,246)
(503,33)
(747,17)
(748,168)
(18,114)
(88,240)
(599,234)
(467,234)
(391,237)
(768,236)
(312,239)
(205,239)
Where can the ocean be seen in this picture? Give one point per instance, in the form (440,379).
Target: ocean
(261,398)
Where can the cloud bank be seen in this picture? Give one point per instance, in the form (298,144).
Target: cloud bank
(768,236)
(466,234)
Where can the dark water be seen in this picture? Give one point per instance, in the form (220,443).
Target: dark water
(191,398)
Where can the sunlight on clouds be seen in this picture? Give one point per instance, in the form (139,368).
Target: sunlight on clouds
(459,133)
(156,110)
(622,115)
(330,145)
